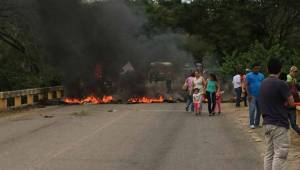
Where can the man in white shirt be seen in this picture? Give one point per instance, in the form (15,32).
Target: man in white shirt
(237,84)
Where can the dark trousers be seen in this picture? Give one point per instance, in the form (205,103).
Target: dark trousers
(211,98)
(293,121)
(169,86)
(238,94)
(189,103)
(245,98)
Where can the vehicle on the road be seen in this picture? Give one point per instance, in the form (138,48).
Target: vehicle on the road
(160,71)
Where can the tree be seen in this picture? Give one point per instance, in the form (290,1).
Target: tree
(9,17)
(258,53)
(20,48)
(233,27)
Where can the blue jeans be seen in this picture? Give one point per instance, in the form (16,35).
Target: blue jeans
(238,95)
(211,98)
(293,121)
(189,103)
(254,111)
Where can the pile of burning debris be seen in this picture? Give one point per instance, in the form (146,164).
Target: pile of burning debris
(89,100)
(110,99)
(123,90)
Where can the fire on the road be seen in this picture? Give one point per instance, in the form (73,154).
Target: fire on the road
(90,100)
(146,100)
(109,99)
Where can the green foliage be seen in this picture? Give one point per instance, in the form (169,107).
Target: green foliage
(258,53)
(237,32)
(21,69)
(16,76)
(162,17)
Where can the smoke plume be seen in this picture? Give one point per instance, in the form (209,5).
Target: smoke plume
(90,42)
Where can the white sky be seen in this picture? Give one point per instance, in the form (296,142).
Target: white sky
(186,1)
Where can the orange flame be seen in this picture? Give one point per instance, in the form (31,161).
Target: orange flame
(89,99)
(146,100)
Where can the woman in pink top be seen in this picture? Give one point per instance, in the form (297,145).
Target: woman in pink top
(189,91)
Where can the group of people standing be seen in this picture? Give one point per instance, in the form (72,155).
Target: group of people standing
(274,98)
(200,90)
(250,85)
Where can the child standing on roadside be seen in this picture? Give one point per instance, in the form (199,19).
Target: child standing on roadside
(218,102)
(197,101)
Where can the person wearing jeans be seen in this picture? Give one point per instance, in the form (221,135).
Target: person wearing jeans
(254,112)
(189,103)
(237,84)
(189,91)
(238,93)
(293,121)
(211,99)
(253,82)
(212,87)
(275,98)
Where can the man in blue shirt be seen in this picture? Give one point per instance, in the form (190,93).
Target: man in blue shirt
(254,80)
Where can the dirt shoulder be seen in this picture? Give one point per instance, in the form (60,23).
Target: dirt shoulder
(240,117)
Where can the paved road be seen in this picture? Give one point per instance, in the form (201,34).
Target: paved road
(132,137)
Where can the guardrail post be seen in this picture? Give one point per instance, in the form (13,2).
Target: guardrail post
(18,101)
(3,104)
(30,99)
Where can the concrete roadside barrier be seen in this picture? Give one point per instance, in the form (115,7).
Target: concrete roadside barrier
(21,98)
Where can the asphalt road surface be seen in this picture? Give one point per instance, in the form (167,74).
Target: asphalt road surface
(123,137)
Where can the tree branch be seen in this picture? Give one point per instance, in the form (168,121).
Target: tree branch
(12,42)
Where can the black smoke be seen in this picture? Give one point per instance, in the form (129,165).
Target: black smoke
(89,43)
